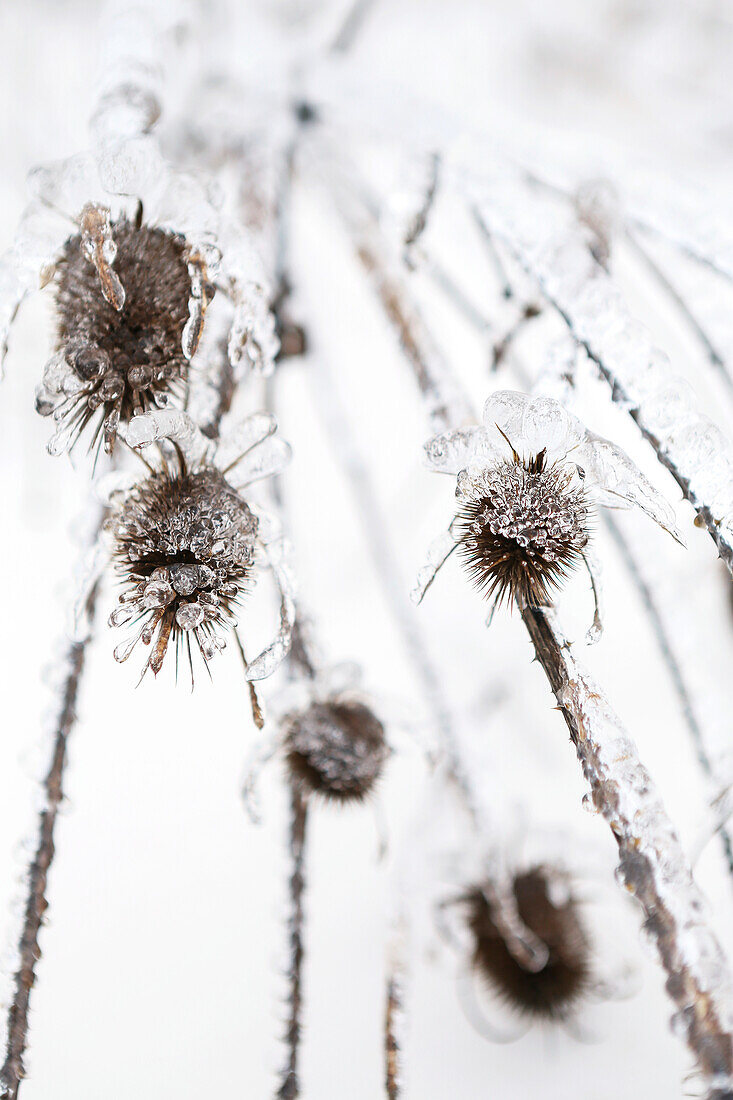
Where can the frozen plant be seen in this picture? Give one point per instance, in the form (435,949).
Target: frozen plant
(186,542)
(332,742)
(527,482)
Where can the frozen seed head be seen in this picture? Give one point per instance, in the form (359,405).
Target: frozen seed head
(554,990)
(122,301)
(336,749)
(522,528)
(184,548)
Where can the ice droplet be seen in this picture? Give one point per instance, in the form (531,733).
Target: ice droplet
(189,616)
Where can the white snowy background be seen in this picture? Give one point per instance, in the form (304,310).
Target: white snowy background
(163,951)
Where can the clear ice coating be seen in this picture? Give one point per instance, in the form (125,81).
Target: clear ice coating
(266,460)
(438,553)
(100,249)
(173,424)
(653,865)
(264,664)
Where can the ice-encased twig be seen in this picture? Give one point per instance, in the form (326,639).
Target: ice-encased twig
(560,385)
(289,1087)
(688,444)
(36,903)
(653,865)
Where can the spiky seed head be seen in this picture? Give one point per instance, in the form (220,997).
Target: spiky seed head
(523,529)
(336,749)
(130,359)
(184,548)
(553,991)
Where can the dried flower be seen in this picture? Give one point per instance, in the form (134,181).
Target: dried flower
(121,358)
(333,743)
(527,484)
(132,289)
(530,945)
(335,749)
(186,543)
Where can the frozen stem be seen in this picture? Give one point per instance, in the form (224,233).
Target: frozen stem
(289,1087)
(36,903)
(653,866)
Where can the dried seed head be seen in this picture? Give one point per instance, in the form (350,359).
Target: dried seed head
(336,749)
(184,548)
(120,353)
(552,991)
(523,529)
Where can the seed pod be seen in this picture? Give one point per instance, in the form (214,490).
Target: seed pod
(524,530)
(119,338)
(336,749)
(553,990)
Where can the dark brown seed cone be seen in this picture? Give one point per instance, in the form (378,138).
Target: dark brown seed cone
(336,750)
(127,356)
(185,548)
(524,532)
(552,992)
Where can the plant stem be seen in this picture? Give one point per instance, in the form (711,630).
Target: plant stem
(289,1087)
(12,1071)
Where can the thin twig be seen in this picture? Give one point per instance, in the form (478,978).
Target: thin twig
(653,865)
(36,904)
(351,26)
(419,223)
(289,1087)
(394,1015)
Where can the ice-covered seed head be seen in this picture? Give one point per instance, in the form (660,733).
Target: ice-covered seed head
(125,350)
(552,990)
(184,549)
(522,528)
(336,749)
